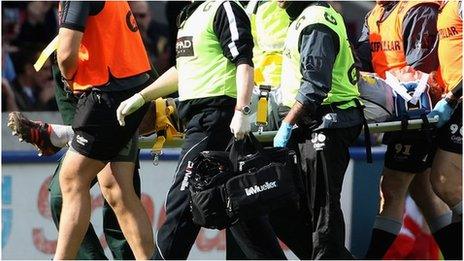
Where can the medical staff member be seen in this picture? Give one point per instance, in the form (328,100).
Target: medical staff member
(320,88)
(446,173)
(214,78)
(102,61)
(399,34)
(269,25)
(268,19)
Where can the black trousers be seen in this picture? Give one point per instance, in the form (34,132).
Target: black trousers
(291,224)
(325,157)
(207,130)
(291,228)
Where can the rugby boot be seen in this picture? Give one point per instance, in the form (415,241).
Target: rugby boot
(36,133)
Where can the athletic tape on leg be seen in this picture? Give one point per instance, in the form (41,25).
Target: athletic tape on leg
(440,221)
(457,212)
(387,224)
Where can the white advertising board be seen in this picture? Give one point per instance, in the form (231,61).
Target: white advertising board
(27,227)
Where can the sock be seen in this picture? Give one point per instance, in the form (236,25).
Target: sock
(384,233)
(440,222)
(457,212)
(449,239)
(61,135)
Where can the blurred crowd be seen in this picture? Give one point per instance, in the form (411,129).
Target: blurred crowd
(27,28)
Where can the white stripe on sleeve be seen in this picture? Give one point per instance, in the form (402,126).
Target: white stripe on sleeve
(233,29)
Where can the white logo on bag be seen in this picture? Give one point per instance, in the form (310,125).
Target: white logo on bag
(258,189)
(188,173)
(81,140)
(318,140)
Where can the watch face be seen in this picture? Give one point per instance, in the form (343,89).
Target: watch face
(246,110)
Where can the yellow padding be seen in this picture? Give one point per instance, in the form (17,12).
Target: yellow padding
(159,143)
(51,47)
(162,123)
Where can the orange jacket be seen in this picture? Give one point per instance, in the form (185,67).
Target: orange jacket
(385,37)
(111,44)
(449,27)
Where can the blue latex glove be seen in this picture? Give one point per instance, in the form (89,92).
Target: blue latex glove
(283,135)
(443,110)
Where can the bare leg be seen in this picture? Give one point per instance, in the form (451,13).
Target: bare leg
(428,202)
(394,189)
(116,185)
(76,176)
(446,180)
(447,177)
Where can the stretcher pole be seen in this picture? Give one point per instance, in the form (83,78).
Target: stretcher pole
(268,136)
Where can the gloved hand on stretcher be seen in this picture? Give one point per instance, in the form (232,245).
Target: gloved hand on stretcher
(444,110)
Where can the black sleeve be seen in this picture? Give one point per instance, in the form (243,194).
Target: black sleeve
(319,47)
(232,27)
(74,14)
(362,49)
(420,37)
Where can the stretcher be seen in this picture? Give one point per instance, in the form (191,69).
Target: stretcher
(268,136)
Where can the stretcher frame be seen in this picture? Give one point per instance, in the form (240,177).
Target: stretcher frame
(268,136)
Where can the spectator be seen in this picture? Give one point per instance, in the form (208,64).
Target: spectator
(8,74)
(46,87)
(154,35)
(11,21)
(33,90)
(40,25)
(8,71)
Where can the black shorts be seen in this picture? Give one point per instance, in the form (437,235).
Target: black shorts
(98,134)
(409,151)
(450,135)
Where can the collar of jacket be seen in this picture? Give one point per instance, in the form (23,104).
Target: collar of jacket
(295,8)
(186,12)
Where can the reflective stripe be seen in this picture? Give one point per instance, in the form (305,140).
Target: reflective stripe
(233,29)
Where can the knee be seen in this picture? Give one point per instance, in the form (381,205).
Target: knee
(71,185)
(450,193)
(115,197)
(111,195)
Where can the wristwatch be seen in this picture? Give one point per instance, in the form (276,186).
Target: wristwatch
(246,110)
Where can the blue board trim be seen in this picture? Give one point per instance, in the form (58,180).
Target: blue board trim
(12,157)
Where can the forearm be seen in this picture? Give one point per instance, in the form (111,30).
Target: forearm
(294,114)
(166,84)
(68,51)
(244,83)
